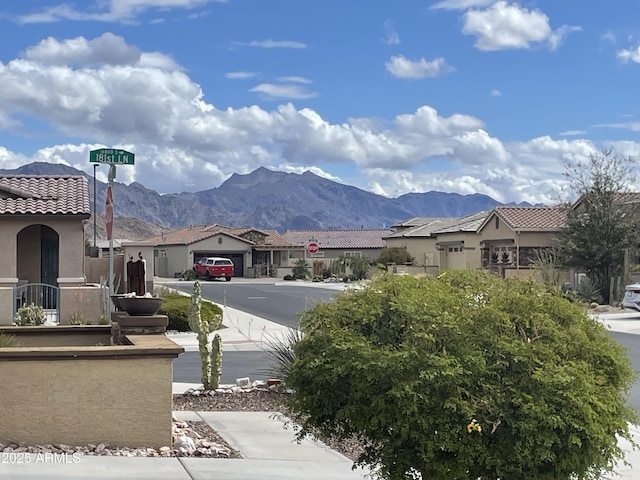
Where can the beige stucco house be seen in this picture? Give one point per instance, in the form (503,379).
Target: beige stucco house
(333,244)
(439,243)
(253,251)
(510,236)
(42,238)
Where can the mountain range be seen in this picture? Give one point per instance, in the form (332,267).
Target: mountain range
(269,199)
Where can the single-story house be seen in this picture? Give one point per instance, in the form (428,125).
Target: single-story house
(253,251)
(332,244)
(510,236)
(439,243)
(42,235)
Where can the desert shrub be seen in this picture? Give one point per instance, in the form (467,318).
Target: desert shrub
(394,255)
(176,307)
(188,274)
(359,267)
(280,351)
(588,292)
(78,317)
(7,340)
(464,376)
(301,269)
(29,315)
(288,277)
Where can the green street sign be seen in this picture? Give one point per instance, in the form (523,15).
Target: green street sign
(111,156)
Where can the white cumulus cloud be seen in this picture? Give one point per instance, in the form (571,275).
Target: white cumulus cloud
(402,67)
(510,26)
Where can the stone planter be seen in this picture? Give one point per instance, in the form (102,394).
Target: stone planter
(76,390)
(139,306)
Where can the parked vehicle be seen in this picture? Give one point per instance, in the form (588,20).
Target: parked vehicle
(632,297)
(214,267)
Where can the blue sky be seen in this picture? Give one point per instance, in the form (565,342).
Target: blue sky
(466,96)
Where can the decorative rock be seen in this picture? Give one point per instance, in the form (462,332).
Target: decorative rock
(243,382)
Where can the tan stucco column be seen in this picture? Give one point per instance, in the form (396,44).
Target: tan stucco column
(7,299)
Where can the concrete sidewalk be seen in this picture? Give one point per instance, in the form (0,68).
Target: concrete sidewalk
(269,452)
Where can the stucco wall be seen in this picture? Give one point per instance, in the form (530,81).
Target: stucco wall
(6,305)
(97,269)
(422,249)
(121,397)
(85,299)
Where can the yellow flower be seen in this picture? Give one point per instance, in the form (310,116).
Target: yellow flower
(474,426)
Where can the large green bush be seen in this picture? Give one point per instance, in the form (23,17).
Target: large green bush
(466,376)
(176,307)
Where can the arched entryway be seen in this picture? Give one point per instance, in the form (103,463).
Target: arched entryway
(37,255)
(37,266)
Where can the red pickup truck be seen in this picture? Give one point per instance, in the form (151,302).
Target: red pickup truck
(214,267)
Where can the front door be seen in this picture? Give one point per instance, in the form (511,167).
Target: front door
(49,271)
(49,261)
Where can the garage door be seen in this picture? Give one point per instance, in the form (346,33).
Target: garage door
(236,258)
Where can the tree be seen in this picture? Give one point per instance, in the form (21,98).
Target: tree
(359,267)
(300,269)
(394,255)
(601,225)
(464,376)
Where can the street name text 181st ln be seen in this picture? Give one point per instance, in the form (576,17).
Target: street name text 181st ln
(112,156)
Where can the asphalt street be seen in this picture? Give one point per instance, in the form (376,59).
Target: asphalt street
(632,342)
(277,303)
(187,367)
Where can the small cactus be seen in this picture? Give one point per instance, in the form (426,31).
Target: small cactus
(216,361)
(211,357)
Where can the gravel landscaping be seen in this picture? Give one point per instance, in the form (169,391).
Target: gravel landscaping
(255,400)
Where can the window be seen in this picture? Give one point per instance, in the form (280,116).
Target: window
(353,254)
(497,222)
(224,262)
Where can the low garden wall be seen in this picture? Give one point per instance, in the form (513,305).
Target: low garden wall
(61,387)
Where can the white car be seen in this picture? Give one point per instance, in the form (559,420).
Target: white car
(632,297)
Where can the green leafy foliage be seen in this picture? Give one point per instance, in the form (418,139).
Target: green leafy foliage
(176,307)
(188,274)
(78,317)
(603,224)
(29,315)
(7,340)
(301,269)
(394,255)
(280,352)
(588,292)
(464,376)
(359,267)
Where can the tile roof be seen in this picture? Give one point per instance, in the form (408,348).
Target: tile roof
(413,222)
(470,223)
(532,218)
(425,229)
(44,195)
(196,233)
(343,239)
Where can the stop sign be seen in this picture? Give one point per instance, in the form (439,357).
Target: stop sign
(312,247)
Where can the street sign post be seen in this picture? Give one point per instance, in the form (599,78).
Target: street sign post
(112,156)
